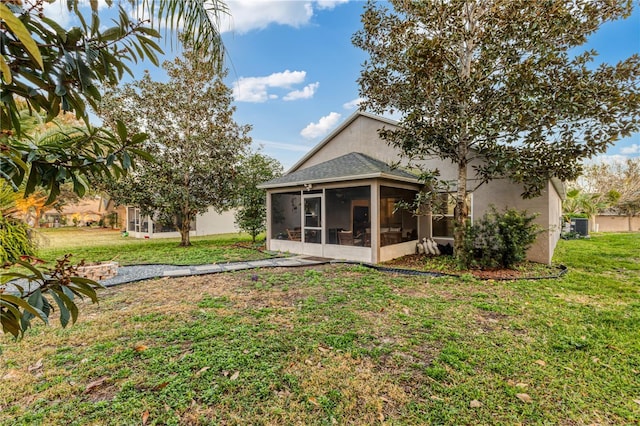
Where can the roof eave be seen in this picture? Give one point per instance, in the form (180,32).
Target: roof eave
(341,179)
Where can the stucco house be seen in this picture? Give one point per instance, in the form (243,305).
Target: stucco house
(338,200)
(208,223)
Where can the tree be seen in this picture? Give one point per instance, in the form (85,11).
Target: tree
(252,209)
(578,202)
(196,144)
(54,69)
(497,88)
(617,183)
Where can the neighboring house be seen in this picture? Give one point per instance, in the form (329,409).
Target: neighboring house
(209,223)
(339,200)
(84,213)
(114,215)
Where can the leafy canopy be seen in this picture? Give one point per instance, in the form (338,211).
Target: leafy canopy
(251,215)
(56,69)
(196,144)
(501,88)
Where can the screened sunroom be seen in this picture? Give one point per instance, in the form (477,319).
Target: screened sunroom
(344,208)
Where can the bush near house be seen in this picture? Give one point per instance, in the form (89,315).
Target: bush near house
(499,239)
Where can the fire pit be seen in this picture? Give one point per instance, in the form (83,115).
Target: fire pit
(99,271)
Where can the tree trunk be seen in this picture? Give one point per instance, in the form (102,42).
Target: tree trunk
(461,212)
(185,229)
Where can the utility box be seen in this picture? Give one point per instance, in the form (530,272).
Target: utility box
(580,226)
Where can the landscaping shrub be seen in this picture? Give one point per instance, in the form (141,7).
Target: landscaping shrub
(499,239)
(15,240)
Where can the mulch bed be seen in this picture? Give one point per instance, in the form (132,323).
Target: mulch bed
(526,270)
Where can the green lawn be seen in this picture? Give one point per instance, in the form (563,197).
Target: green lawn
(344,345)
(97,245)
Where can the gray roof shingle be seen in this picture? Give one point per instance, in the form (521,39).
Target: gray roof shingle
(352,166)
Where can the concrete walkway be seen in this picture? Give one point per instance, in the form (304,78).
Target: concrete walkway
(128,274)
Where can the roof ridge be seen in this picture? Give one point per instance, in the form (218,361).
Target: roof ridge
(368,159)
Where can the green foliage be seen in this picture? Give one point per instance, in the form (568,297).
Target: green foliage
(618,185)
(499,89)
(75,62)
(324,347)
(196,144)
(252,210)
(582,204)
(19,304)
(15,240)
(54,69)
(499,239)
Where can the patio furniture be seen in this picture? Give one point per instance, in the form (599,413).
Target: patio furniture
(346,238)
(294,235)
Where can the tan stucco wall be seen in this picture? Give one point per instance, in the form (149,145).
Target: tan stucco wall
(617,223)
(212,223)
(504,194)
(361,135)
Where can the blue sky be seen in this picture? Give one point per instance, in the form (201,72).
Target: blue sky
(293,70)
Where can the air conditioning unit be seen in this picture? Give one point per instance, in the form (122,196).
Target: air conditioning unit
(580,226)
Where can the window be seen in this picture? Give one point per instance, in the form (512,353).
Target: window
(442,222)
(348,219)
(396,225)
(285,216)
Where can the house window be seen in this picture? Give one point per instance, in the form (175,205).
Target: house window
(442,221)
(286,223)
(397,225)
(348,219)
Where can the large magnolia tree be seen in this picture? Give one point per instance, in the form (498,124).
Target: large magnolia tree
(501,88)
(196,144)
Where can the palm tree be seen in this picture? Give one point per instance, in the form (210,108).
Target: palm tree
(579,202)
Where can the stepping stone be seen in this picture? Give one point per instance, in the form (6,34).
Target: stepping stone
(176,273)
(261,263)
(289,263)
(235,266)
(208,268)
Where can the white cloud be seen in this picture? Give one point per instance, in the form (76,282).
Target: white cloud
(256,89)
(355,103)
(322,127)
(631,149)
(329,4)
(306,93)
(247,15)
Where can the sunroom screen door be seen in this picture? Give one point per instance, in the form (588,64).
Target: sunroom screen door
(312,220)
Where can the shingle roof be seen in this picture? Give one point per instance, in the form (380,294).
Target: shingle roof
(352,166)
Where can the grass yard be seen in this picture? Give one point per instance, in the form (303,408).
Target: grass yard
(344,345)
(97,245)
